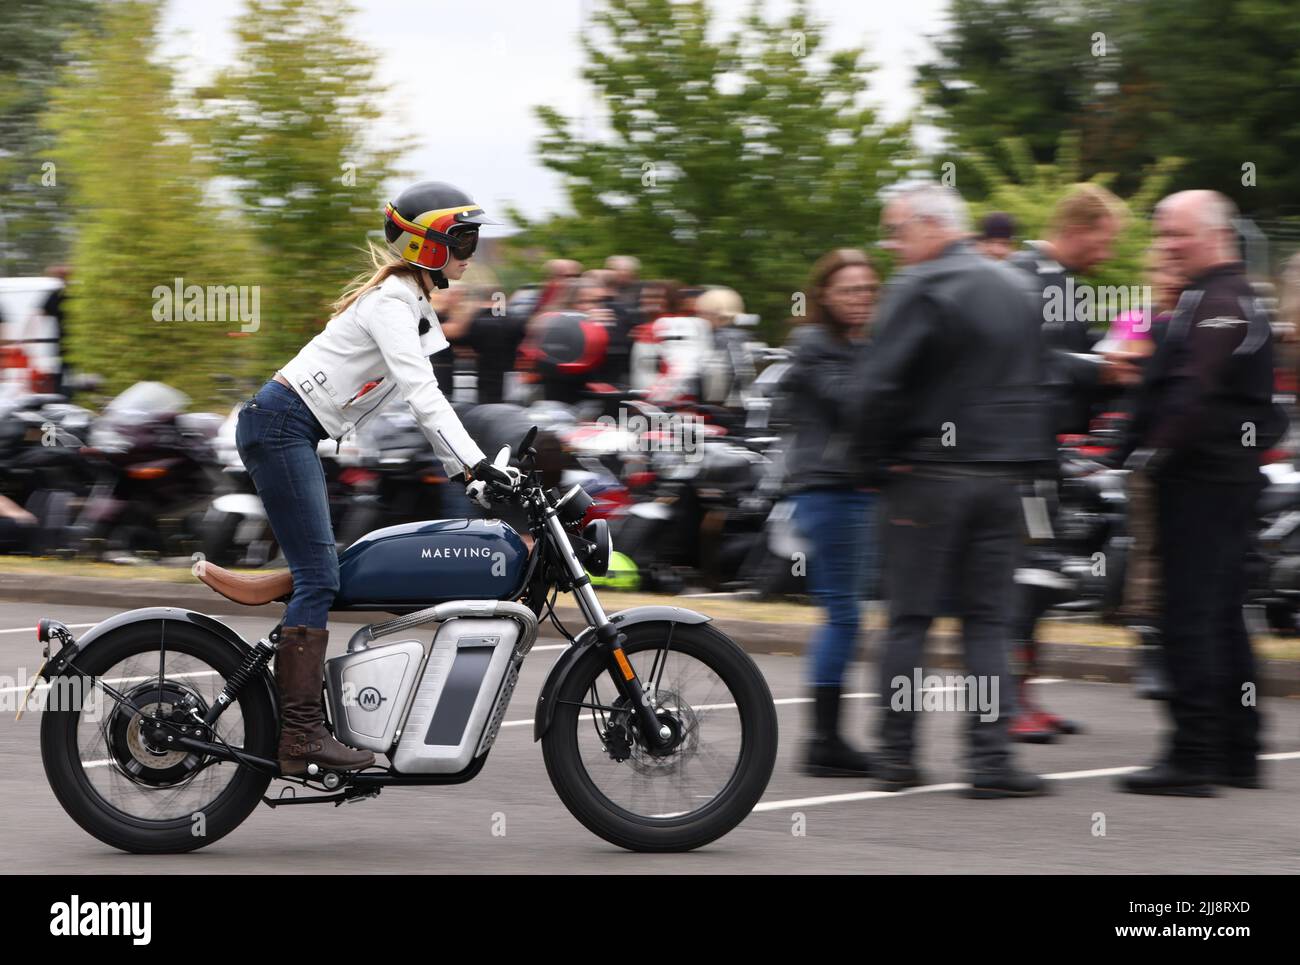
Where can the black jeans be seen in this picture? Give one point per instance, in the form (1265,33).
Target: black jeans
(950,539)
(1203,533)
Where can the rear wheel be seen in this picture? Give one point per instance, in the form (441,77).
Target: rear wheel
(713,699)
(114,776)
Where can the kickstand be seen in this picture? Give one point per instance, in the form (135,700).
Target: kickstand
(343,797)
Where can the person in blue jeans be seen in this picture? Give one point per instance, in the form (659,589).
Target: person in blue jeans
(834,510)
(378,342)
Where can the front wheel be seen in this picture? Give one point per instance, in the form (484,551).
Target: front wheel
(719,710)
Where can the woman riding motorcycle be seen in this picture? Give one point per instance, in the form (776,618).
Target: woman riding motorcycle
(378,342)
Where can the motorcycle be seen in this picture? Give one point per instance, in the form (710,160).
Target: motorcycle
(1077,553)
(43,471)
(1273,563)
(658,731)
(155,472)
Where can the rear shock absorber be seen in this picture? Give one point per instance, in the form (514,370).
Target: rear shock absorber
(254,663)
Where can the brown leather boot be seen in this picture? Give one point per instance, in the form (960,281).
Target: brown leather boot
(303,738)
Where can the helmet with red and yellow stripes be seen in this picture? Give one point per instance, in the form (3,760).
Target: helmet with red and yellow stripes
(432,222)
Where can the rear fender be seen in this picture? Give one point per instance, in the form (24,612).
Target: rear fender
(163,615)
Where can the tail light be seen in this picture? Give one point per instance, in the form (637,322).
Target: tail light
(146,472)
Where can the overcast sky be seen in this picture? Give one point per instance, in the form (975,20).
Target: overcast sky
(520,53)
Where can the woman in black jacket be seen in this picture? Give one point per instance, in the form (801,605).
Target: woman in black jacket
(834,509)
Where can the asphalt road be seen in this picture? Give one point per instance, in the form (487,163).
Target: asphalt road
(803,824)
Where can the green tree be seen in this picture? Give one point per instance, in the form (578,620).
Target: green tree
(142,217)
(287,124)
(1028,69)
(734,161)
(1216,82)
(35,219)
(1223,82)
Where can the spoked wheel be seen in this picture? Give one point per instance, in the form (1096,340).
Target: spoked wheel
(718,711)
(111,765)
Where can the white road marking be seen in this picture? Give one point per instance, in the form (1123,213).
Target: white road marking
(934,788)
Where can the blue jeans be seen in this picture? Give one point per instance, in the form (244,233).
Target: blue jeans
(276,437)
(838,524)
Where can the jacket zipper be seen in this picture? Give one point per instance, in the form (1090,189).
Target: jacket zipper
(338,442)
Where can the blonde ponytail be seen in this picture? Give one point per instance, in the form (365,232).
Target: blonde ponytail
(383,264)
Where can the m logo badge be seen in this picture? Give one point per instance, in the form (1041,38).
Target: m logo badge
(370,699)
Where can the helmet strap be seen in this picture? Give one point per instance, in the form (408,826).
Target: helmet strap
(434,276)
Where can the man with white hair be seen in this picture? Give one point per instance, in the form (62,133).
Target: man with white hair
(1204,418)
(950,396)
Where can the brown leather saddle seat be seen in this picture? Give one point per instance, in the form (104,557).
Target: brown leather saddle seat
(248,589)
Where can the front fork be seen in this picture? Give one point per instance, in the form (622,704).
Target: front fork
(654,732)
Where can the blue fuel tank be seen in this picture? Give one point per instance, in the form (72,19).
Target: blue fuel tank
(414,565)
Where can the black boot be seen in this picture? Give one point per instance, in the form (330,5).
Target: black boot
(1150,678)
(827,754)
(897,774)
(1006,782)
(1165,778)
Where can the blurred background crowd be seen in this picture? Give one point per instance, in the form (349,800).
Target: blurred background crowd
(168,241)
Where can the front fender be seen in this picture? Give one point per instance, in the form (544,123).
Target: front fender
(58,662)
(587,639)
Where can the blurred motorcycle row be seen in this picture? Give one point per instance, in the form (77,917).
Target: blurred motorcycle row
(694,492)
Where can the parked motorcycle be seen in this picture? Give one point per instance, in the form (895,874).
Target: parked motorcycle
(658,732)
(703,513)
(155,472)
(1274,559)
(43,471)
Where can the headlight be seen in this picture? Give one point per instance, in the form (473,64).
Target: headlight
(602,547)
(573,505)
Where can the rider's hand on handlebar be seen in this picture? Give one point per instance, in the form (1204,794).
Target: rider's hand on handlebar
(488,478)
(477,491)
(502,476)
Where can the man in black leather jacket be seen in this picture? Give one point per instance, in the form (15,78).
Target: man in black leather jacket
(1205,416)
(951,394)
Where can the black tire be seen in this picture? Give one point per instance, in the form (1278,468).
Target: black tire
(724,811)
(78,794)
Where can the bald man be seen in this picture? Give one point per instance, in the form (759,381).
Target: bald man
(1205,417)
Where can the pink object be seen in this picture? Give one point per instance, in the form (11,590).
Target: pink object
(1131,326)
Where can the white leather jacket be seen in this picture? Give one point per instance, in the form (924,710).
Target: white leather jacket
(376,338)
